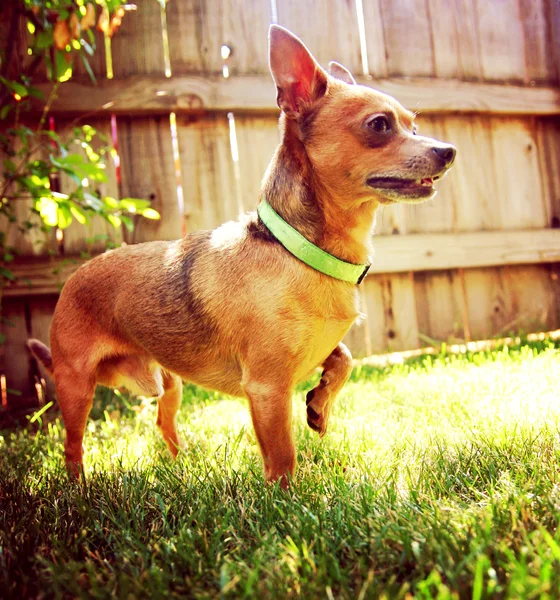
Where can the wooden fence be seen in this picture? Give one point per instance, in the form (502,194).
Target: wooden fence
(196,130)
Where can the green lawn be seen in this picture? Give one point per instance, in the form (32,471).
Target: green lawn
(438,479)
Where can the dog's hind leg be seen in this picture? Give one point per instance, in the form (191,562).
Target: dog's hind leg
(336,370)
(74,392)
(168,405)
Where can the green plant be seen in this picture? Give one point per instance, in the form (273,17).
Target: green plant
(57,34)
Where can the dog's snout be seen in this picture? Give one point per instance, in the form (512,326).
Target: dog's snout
(446,153)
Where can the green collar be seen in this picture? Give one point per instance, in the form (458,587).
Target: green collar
(307,252)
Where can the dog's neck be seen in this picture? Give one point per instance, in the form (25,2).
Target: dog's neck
(295,192)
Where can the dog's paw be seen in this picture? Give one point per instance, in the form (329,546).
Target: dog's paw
(316,421)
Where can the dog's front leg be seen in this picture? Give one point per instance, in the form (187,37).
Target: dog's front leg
(271,411)
(336,370)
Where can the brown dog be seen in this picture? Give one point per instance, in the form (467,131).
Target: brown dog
(232,309)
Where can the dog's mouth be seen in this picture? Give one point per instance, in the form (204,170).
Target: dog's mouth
(394,183)
(394,189)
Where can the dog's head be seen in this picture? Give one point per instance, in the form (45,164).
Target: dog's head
(362,143)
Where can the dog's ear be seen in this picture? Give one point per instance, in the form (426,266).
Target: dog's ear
(299,79)
(340,72)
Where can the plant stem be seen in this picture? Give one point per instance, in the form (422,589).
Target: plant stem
(48,105)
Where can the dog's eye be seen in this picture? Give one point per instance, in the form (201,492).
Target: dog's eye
(379,124)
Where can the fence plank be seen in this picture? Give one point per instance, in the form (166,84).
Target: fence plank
(373,308)
(393,254)
(501,40)
(471,184)
(329,29)
(439,307)
(252,93)
(534,306)
(408,38)
(517,174)
(186,27)
(553,35)
(14,358)
(198,29)
(464,250)
(391,312)
(257,140)
(538,53)
(41,311)
(375,39)
(148,172)
(207,172)
(446,38)
(137,47)
(469,59)
(39,277)
(504,300)
(548,143)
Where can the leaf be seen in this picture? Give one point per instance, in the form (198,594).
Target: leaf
(114,220)
(111,202)
(15,87)
(93,157)
(103,22)
(35,93)
(79,214)
(88,131)
(127,222)
(88,20)
(63,66)
(116,21)
(74,24)
(7,274)
(150,213)
(4,111)
(48,210)
(64,216)
(44,39)
(93,202)
(61,35)
(73,159)
(95,172)
(134,205)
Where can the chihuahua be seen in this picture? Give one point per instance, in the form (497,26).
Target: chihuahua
(255,306)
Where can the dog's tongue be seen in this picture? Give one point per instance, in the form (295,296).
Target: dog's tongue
(427,181)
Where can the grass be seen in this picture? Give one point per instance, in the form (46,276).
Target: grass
(439,478)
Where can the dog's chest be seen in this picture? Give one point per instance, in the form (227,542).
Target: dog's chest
(329,327)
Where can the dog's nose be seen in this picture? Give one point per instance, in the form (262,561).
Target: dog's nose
(446,153)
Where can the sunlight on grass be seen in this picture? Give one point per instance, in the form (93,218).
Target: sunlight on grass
(438,478)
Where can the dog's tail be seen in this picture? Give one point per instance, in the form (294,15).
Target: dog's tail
(42,354)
